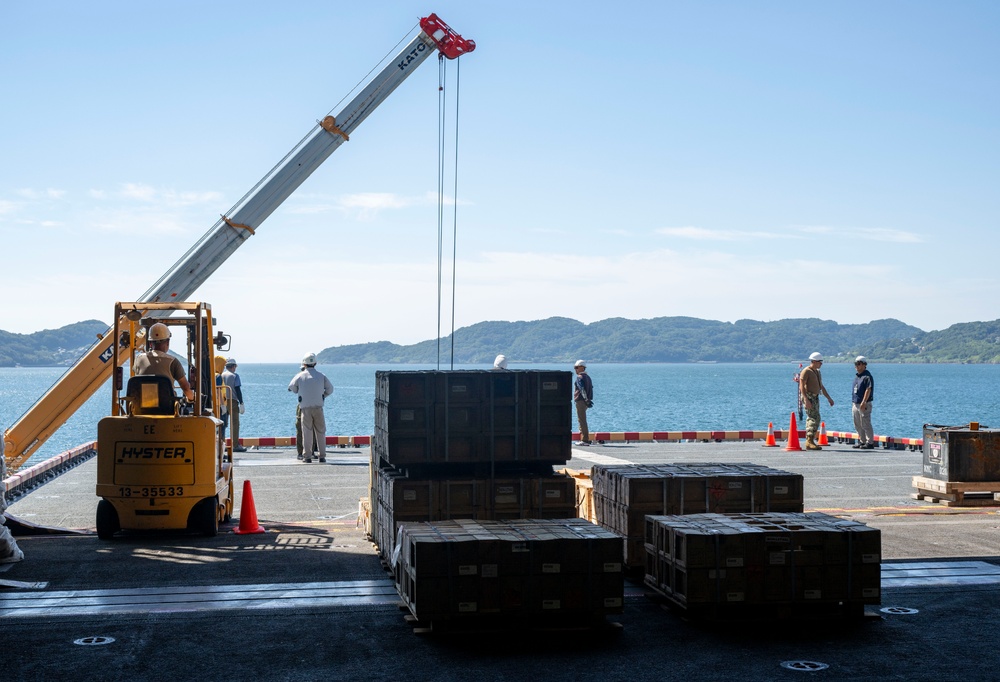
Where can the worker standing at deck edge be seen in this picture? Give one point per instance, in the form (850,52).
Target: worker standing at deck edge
(862,395)
(811,385)
(583,397)
(231,379)
(312,387)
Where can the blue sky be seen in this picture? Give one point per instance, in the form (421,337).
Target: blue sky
(722,160)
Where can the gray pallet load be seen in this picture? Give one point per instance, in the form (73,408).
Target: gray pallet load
(552,570)
(470,444)
(764,566)
(625,494)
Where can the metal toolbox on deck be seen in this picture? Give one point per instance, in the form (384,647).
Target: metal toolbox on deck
(961,453)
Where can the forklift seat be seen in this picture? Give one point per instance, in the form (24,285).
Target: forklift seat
(150,394)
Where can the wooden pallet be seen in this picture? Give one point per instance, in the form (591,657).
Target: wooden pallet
(957,493)
(501,624)
(765,612)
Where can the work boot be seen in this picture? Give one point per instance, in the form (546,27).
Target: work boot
(811,444)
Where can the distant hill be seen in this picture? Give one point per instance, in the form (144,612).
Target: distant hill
(561,340)
(968,342)
(50,347)
(668,339)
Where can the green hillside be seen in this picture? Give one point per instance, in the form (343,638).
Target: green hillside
(662,339)
(50,347)
(560,339)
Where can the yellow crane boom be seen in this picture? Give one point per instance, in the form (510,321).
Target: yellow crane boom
(80,382)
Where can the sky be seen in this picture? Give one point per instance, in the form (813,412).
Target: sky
(722,159)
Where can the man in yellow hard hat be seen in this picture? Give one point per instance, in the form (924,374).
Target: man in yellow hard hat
(158,360)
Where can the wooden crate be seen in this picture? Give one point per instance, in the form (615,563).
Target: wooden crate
(748,566)
(957,493)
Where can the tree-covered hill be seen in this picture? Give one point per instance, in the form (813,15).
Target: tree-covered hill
(50,347)
(560,339)
(662,339)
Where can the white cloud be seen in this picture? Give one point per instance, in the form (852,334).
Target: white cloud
(362,206)
(373,201)
(168,198)
(396,299)
(40,194)
(142,224)
(139,192)
(874,234)
(703,234)
(847,233)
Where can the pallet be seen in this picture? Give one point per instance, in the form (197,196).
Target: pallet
(789,613)
(957,493)
(512,625)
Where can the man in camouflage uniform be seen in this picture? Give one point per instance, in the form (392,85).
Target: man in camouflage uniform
(810,386)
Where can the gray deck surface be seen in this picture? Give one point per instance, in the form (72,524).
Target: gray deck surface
(309,600)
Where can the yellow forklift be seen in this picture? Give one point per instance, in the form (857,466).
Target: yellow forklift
(162,459)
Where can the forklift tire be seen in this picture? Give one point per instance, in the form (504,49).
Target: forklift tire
(107,520)
(205,517)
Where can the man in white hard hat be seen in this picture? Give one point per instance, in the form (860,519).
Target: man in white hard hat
(861,404)
(231,379)
(583,398)
(500,362)
(312,387)
(158,360)
(810,386)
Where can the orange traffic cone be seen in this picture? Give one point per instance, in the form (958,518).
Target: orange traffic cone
(793,436)
(769,441)
(248,513)
(823,440)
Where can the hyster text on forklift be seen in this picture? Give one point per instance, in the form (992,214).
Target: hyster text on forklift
(162,459)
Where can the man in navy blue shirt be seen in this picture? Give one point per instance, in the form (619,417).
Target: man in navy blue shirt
(861,399)
(583,397)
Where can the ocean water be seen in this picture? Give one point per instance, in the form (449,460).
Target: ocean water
(627,397)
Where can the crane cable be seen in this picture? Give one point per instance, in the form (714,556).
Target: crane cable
(442,129)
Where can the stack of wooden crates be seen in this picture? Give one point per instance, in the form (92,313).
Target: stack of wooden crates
(563,571)
(739,566)
(480,446)
(725,541)
(625,494)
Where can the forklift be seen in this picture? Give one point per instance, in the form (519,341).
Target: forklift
(162,459)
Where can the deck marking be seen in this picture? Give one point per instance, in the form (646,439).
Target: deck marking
(599,459)
(939,573)
(288,461)
(202,598)
(198,598)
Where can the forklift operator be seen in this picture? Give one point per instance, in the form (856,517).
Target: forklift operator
(157,360)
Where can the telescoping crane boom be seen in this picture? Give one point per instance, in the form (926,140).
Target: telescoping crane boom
(84,378)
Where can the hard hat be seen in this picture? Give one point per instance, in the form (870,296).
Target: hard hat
(816,357)
(309,360)
(500,362)
(220,363)
(230,361)
(159,332)
(862,359)
(579,363)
